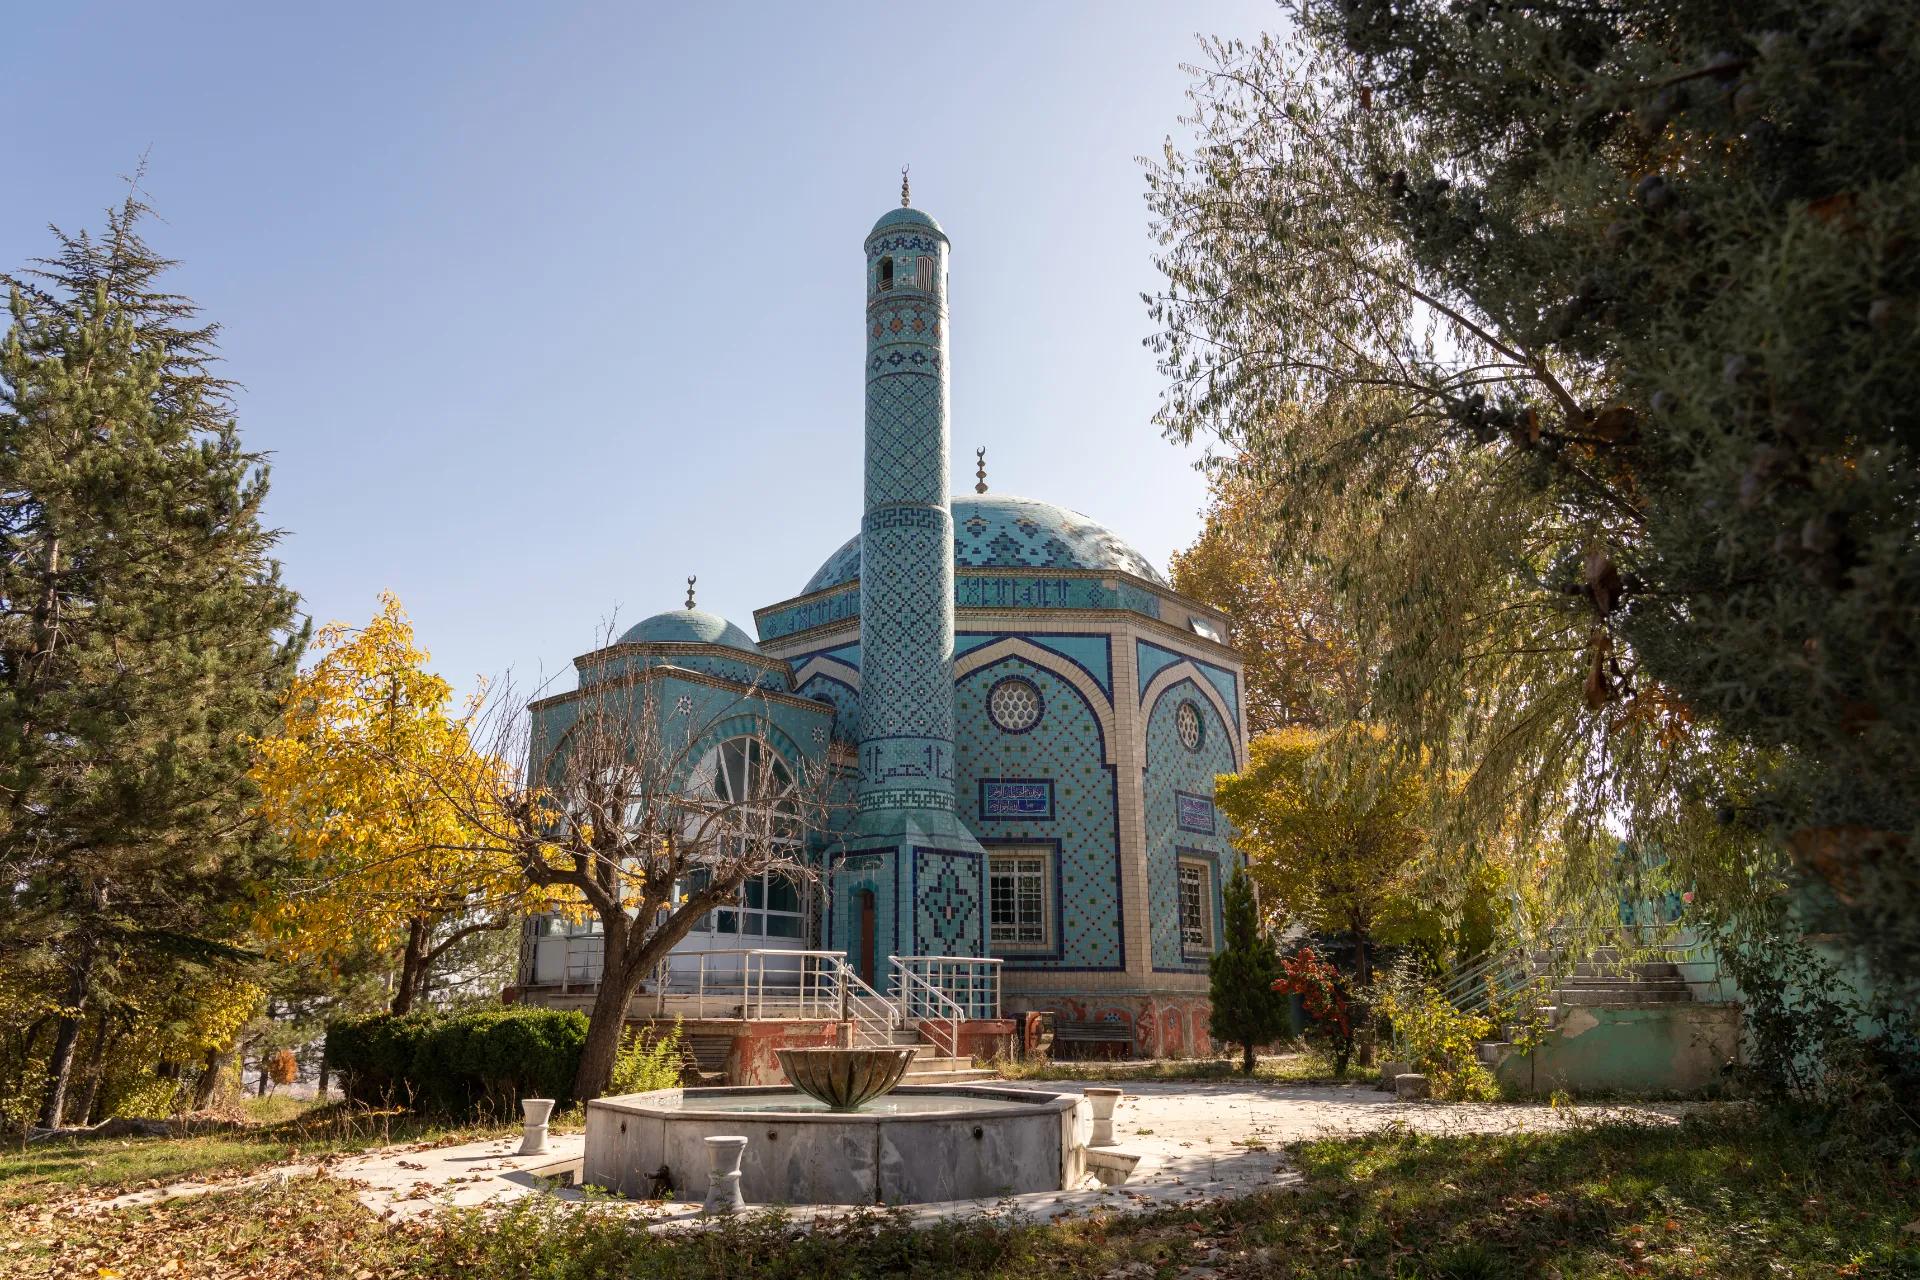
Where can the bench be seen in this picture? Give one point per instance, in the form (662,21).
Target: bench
(1106,1039)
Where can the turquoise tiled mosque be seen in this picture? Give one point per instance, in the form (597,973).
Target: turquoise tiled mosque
(1028,719)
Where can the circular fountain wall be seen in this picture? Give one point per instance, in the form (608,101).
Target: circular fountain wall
(915,1144)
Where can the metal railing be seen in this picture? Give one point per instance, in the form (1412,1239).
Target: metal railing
(933,1009)
(971,982)
(761,984)
(1510,984)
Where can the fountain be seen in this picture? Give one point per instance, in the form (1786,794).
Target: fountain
(848,1133)
(845,1078)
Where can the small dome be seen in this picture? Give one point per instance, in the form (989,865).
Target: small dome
(896,218)
(689,626)
(999,531)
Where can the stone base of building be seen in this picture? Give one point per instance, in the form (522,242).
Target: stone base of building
(1161,1026)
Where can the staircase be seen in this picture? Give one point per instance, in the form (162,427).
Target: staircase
(1604,980)
(930,1067)
(1645,1013)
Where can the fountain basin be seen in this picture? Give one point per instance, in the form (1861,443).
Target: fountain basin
(844,1079)
(916,1144)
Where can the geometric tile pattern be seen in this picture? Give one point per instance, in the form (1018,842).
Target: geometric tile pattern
(948,902)
(1002,531)
(1177,783)
(1065,748)
(906,571)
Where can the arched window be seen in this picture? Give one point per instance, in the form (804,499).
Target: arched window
(886,274)
(771,904)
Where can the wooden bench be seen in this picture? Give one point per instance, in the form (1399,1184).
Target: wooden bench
(1106,1039)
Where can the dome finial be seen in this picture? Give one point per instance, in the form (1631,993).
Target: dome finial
(980,469)
(906,198)
(690,582)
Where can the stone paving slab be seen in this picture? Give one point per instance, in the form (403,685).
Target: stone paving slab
(1191,1142)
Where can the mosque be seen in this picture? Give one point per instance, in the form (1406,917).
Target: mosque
(1028,716)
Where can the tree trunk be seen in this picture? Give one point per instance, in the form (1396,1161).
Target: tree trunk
(95,1067)
(618,981)
(66,1036)
(1246,1059)
(216,1062)
(410,967)
(1362,979)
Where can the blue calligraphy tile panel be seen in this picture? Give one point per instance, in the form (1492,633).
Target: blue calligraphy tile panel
(1017,799)
(1194,813)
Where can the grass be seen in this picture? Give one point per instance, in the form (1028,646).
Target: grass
(1284,1068)
(54,1169)
(1732,1195)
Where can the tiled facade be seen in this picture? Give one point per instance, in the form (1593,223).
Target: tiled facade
(1119,705)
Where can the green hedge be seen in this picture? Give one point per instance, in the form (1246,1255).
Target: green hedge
(459,1064)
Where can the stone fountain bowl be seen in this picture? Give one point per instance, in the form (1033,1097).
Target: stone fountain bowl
(845,1078)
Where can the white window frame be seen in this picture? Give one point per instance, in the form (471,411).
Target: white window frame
(1031,870)
(1196,939)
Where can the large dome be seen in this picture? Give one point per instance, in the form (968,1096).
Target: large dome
(689,626)
(999,531)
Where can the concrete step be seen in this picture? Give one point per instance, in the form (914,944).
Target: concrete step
(1628,993)
(970,1076)
(928,1064)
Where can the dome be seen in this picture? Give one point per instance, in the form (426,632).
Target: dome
(999,531)
(688,626)
(904,217)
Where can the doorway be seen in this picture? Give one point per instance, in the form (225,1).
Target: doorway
(866,952)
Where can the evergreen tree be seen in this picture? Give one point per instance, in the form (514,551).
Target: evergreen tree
(1246,1009)
(144,631)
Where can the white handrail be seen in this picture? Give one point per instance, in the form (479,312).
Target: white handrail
(972,982)
(913,988)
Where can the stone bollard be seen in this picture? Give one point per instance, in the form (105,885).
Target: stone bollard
(723,1174)
(1412,1087)
(533,1116)
(1102,1101)
(1391,1071)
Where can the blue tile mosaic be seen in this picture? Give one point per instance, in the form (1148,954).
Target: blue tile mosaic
(1171,770)
(1067,748)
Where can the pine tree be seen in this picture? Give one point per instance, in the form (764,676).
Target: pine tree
(144,631)
(1246,1009)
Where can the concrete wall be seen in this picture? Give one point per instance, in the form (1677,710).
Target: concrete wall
(1676,1048)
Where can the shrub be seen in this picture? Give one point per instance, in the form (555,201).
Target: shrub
(1440,1040)
(1330,1021)
(483,1061)
(647,1060)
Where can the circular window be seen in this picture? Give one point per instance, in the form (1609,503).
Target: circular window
(1187,721)
(1015,705)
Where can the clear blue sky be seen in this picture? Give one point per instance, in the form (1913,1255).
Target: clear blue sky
(540,308)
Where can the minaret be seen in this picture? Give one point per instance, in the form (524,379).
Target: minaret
(906,534)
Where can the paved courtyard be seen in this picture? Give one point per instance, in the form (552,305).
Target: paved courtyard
(1183,1141)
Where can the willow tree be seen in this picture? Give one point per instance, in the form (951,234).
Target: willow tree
(1580,343)
(359,782)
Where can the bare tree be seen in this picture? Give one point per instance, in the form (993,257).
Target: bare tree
(641,815)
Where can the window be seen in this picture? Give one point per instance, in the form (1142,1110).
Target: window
(1196,907)
(1014,704)
(1187,721)
(886,275)
(1018,893)
(923,269)
(1205,628)
(768,906)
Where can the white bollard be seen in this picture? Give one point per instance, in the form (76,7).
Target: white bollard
(533,1117)
(1103,1101)
(723,1174)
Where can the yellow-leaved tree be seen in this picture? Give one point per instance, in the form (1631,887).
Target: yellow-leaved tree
(357,782)
(1333,848)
